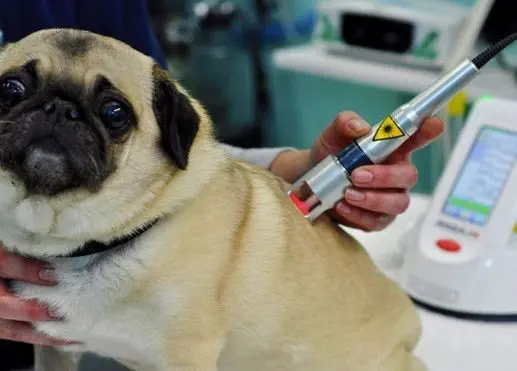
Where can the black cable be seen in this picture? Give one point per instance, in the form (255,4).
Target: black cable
(503,64)
(489,53)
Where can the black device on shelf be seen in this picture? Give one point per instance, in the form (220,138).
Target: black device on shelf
(377,33)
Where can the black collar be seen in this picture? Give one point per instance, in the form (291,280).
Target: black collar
(95,247)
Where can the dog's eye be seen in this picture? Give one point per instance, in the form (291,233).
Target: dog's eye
(115,115)
(12,91)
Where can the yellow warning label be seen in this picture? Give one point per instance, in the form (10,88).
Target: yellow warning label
(388,129)
(515,228)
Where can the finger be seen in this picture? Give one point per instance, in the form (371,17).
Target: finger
(23,332)
(389,202)
(343,129)
(431,129)
(401,175)
(13,308)
(19,268)
(355,217)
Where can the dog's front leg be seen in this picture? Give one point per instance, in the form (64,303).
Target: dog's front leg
(48,358)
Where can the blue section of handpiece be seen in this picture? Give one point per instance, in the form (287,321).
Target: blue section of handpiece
(353,157)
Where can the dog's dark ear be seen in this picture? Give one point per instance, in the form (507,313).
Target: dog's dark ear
(178,120)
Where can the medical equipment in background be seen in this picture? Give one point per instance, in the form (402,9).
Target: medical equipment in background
(324,185)
(420,33)
(201,44)
(218,49)
(460,259)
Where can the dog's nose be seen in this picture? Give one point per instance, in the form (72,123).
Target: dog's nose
(62,108)
(46,166)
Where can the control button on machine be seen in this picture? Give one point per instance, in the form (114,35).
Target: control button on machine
(448,245)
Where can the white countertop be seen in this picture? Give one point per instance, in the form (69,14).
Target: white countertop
(314,60)
(447,344)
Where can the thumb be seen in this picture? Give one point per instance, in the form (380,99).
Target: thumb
(346,127)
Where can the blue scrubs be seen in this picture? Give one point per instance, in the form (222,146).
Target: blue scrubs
(125,20)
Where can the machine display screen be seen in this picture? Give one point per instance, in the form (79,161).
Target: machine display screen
(483,176)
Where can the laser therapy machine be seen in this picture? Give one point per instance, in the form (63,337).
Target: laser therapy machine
(461,258)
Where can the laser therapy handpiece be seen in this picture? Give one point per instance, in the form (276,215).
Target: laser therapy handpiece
(324,185)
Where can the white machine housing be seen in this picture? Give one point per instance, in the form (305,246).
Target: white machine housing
(473,209)
(436,26)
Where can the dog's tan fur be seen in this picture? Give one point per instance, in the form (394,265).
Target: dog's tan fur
(232,278)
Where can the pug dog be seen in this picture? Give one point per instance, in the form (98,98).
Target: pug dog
(170,255)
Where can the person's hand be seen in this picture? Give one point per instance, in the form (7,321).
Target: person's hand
(16,314)
(380,192)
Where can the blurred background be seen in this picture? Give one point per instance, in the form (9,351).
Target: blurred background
(258,68)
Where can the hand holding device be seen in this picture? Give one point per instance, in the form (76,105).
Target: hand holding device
(380,192)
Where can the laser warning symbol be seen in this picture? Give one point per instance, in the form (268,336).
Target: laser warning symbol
(388,129)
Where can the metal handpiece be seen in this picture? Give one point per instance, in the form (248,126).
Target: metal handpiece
(409,117)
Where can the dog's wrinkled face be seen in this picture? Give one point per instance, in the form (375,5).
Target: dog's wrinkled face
(70,104)
(95,141)
(56,135)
